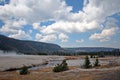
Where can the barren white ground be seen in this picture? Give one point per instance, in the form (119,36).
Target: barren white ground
(10,61)
(17,61)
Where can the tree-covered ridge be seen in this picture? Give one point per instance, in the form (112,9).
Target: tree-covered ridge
(27,47)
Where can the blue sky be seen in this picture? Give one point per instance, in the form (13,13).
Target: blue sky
(68,23)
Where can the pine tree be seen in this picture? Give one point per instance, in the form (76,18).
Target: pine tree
(97,62)
(87,62)
(64,65)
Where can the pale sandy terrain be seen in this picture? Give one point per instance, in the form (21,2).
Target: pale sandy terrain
(18,61)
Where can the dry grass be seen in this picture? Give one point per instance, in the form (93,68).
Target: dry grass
(110,75)
(107,66)
(108,58)
(72,74)
(46,74)
(74,57)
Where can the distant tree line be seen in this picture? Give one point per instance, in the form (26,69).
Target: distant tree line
(115,52)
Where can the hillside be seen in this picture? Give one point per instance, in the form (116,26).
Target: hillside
(33,47)
(27,47)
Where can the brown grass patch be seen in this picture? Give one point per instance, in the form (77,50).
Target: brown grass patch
(46,74)
(74,57)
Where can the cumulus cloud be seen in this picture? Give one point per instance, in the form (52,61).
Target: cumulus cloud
(111,28)
(91,18)
(70,27)
(50,37)
(104,35)
(80,41)
(38,36)
(20,35)
(94,13)
(29,10)
(63,37)
(46,38)
(21,12)
(36,26)
(12,26)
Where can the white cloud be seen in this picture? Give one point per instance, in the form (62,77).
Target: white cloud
(70,27)
(46,38)
(100,9)
(104,35)
(51,37)
(111,28)
(22,12)
(93,15)
(20,35)
(63,37)
(36,25)
(34,10)
(38,36)
(12,26)
(80,41)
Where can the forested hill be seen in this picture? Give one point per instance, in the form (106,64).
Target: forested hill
(27,47)
(33,47)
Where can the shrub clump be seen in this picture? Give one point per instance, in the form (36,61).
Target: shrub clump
(61,67)
(24,71)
